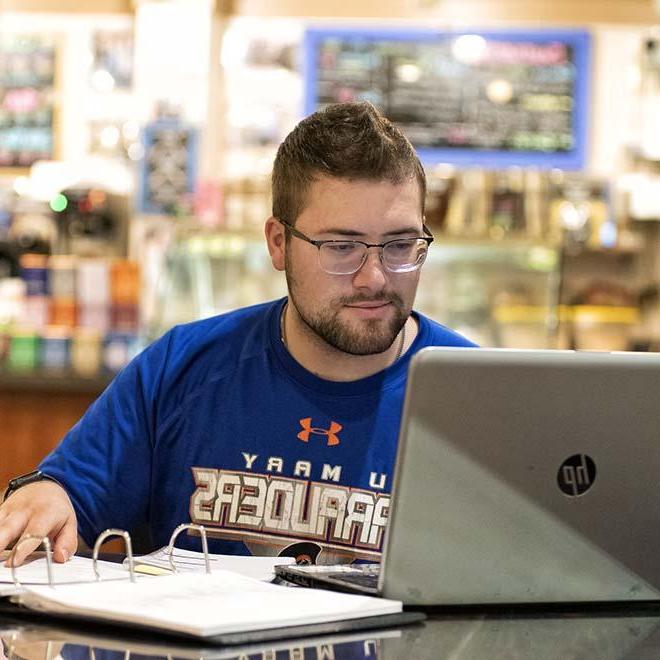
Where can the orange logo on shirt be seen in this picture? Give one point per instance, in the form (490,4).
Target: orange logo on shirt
(331,433)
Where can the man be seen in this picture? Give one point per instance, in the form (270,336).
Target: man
(274,426)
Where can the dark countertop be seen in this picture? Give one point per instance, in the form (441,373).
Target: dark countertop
(604,636)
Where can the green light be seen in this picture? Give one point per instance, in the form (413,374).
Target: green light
(59,203)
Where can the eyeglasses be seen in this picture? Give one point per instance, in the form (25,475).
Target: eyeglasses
(401,255)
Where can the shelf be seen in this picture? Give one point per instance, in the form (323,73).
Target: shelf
(606,252)
(512,241)
(56,381)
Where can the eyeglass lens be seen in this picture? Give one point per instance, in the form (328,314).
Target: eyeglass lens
(346,257)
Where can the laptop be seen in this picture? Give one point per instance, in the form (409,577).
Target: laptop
(522,477)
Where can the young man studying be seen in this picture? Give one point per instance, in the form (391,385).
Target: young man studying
(274,426)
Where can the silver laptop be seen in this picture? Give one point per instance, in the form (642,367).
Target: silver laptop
(521,477)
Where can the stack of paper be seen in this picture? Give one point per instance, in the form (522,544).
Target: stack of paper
(189,561)
(203,605)
(77,569)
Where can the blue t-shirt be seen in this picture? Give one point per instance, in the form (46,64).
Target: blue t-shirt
(216,424)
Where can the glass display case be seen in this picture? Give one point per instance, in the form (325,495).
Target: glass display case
(498,294)
(205,275)
(501,294)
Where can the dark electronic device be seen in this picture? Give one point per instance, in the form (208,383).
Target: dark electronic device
(91,222)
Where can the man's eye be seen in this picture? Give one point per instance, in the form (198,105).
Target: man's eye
(401,246)
(341,248)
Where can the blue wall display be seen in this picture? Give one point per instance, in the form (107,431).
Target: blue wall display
(471,98)
(168,168)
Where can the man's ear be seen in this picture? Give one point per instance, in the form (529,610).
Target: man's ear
(275,239)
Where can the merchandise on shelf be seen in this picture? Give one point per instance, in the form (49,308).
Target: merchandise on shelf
(67,313)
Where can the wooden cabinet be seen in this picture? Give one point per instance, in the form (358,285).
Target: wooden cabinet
(35,413)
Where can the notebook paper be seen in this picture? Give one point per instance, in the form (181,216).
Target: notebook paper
(77,569)
(189,561)
(204,605)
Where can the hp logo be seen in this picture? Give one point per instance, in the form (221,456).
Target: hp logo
(576,475)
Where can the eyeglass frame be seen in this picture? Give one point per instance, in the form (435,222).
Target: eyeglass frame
(318,244)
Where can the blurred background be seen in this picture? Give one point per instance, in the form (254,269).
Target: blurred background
(137,139)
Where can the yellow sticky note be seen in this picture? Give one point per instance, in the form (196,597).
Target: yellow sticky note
(146,569)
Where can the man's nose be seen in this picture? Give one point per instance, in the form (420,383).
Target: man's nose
(371,274)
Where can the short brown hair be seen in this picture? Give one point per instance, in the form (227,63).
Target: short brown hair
(346,141)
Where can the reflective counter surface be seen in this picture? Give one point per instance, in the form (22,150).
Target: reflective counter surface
(604,636)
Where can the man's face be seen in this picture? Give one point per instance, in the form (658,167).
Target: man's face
(360,313)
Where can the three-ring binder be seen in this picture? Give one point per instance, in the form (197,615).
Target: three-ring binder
(49,557)
(205,546)
(224,606)
(97,547)
(129,550)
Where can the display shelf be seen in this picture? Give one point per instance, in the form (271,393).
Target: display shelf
(57,381)
(616,252)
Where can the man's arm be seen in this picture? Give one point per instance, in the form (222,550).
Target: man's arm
(103,462)
(39,509)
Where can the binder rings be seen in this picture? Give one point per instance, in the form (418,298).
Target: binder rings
(218,606)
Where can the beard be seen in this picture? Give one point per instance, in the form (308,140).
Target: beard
(369,337)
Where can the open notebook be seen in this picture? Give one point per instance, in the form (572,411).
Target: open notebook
(218,605)
(203,605)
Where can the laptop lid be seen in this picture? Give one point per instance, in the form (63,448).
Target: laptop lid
(526,477)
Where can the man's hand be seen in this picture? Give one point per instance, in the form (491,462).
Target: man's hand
(40,509)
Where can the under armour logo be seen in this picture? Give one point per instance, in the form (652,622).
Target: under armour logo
(331,433)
